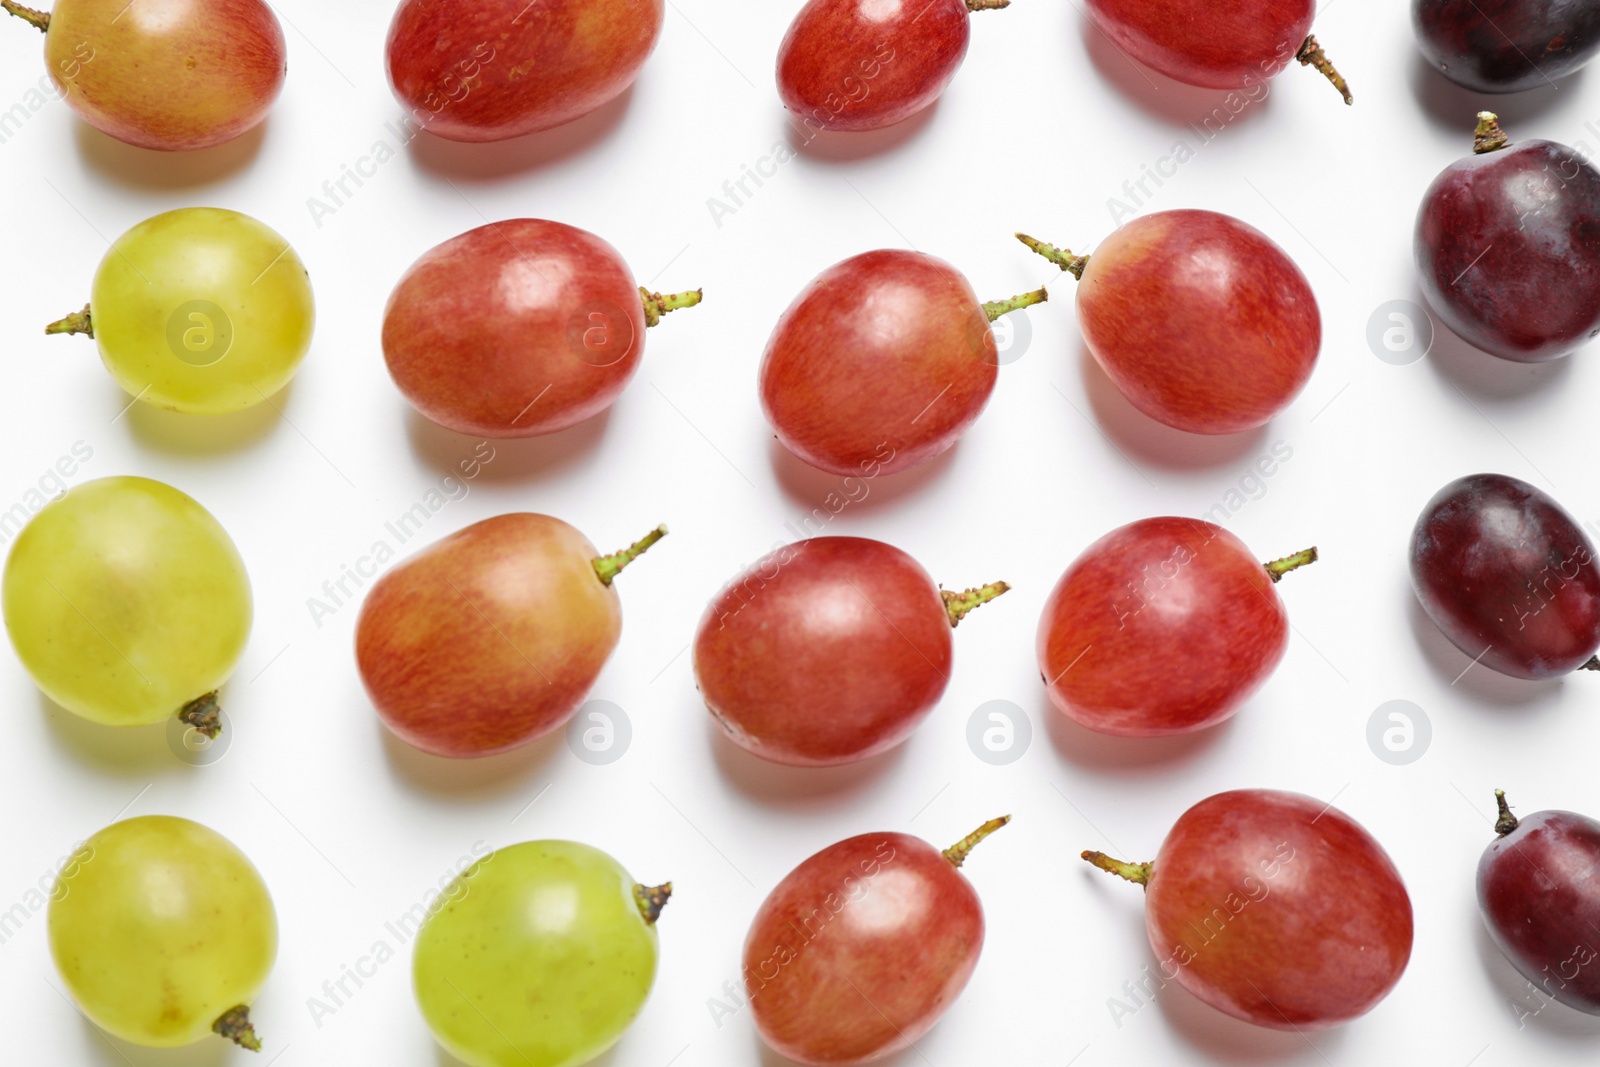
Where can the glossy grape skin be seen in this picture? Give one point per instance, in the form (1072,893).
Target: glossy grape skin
(828,651)
(514,329)
(167,74)
(158,926)
(1277,909)
(488,638)
(1490,46)
(1163,626)
(537,956)
(1508,250)
(865,64)
(1219,46)
(881,363)
(488,70)
(1200,320)
(125,600)
(1508,576)
(1539,892)
(904,929)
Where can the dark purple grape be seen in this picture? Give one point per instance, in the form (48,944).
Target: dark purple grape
(1508,576)
(1506,46)
(1539,891)
(1508,246)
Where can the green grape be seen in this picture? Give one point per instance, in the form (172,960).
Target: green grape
(199,310)
(163,932)
(539,955)
(128,603)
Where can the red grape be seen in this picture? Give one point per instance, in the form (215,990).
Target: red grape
(1508,576)
(866,64)
(1274,908)
(828,651)
(882,363)
(1490,45)
(487,70)
(492,636)
(164,74)
(1163,626)
(862,947)
(1220,46)
(1201,321)
(1539,891)
(518,328)
(1508,246)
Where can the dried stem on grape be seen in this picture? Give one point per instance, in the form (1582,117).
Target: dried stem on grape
(204,714)
(651,899)
(987,5)
(1311,55)
(1279,567)
(1488,137)
(37,19)
(608,567)
(658,304)
(1061,257)
(235,1025)
(958,604)
(1591,664)
(995,308)
(77,322)
(958,852)
(1507,822)
(1137,873)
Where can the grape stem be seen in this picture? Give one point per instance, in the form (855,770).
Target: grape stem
(1507,822)
(1061,257)
(38,19)
(1488,137)
(608,567)
(958,852)
(235,1025)
(204,714)
(958,604)
(658,304)
(1137,873)
(77,322)
(651,899)
(995,308)
(1279,567)
(1592,664)
(987,5)
(1311,55)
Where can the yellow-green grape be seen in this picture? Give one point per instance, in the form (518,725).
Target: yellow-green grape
(199,310)
(163,932)
(540,955)
(128,603)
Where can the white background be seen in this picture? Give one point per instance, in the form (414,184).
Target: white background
(1042,126)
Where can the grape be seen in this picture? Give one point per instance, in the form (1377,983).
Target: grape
(860,949)
(828,651)
(1490,46)
(1508,246)
(1163,626)
(128,603)
(1201,321)
(881,364)
(173,75)
(163,932)
(1508,576)
(493,636)
(1274,908)
(540,955)
(199,310)
(518,328)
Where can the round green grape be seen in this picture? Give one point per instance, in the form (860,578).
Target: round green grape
(539,955)
(163,932)
(127,603)
(200,310)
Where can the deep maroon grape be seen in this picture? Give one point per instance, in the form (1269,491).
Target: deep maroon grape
(1506,46)
(1508,576)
